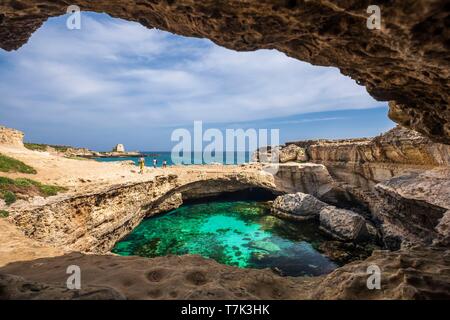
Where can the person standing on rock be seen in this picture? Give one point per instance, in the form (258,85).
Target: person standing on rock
(164,164)
(155,162)
(141,165)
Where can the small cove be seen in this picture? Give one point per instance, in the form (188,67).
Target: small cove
(236,233)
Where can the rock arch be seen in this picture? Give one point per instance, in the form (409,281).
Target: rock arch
(407,62)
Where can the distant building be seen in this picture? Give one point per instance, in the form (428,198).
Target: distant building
(119,148)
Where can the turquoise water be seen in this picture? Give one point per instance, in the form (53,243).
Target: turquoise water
(235,158)
(238,233)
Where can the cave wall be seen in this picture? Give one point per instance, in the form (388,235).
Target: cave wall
(407,62)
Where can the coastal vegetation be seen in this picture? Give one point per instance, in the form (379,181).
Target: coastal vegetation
(11,189)
(4,214)
(8,164)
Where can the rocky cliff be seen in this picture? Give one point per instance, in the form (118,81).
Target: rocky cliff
(363,163)
(11,137)
(399,180)
(94,221)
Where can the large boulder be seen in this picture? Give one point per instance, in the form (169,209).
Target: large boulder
(297,206)
(292,153)
(343,224)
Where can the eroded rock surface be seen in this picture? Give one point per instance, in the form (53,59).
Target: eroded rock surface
(412,206)
(407,61)
(341,224)
(17,288)
(362,163)
(398,180)
(93,220)
(417,273)
(298,205)
(169,277)
(292,153)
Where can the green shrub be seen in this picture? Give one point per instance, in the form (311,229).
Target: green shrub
(4,214)
(48,190)
(4,181)
(9,197)
(24,182)
(43,147)
(10,187)
(8,164)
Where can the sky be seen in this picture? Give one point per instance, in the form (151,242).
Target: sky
(115,81)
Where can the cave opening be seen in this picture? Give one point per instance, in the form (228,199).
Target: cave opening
(114,81)
(238,229)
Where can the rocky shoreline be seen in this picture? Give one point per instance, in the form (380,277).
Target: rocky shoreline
(399,179)
(352,205)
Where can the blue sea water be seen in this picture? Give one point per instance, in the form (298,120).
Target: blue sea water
(160,156)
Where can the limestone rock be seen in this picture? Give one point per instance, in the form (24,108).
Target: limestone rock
(17,288)
(308,178)
(292,153)
(11,137)
(417,273)
(401,62)
(443,229)
(398,145)
(413,205)
(339,223)
(167,203)
(299,206)
(94,221)
(302,156)
(343,224)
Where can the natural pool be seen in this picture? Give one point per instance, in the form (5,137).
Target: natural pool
(237,233)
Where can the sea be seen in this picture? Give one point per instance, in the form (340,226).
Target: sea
(193,158)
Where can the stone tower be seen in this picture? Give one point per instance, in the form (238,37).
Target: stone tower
(119,148)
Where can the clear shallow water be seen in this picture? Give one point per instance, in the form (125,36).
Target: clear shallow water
(238,233)
(235,158)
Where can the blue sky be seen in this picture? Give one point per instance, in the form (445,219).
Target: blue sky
(115,81)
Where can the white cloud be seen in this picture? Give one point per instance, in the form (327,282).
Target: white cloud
(115,72)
